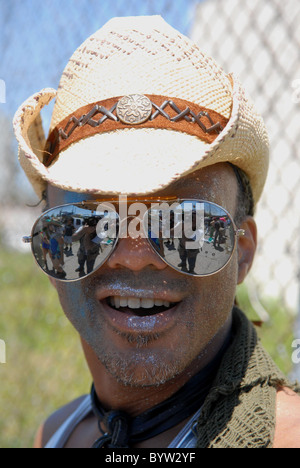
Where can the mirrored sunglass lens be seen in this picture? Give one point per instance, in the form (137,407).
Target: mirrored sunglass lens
(70,242)
(191,236)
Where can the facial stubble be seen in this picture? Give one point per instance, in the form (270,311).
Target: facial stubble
(149,359)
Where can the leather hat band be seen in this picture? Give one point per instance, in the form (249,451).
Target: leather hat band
(135,110)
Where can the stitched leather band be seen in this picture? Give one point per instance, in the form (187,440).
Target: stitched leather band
(162,112)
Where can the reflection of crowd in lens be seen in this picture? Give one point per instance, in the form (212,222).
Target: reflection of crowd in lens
(57,243)
(217,227)
(89,248)
(188,256)
(68,233)
(58,236)
(214,234)
(53,247)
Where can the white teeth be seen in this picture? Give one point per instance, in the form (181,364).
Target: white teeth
(123,302)
(158,302)
(147,303)
(136,302)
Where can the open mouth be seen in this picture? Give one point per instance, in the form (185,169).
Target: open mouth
(139,306)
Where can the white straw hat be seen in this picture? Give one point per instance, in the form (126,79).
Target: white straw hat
(139,106)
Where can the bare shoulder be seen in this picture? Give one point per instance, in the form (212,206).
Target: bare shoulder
(50,426)
(287,430)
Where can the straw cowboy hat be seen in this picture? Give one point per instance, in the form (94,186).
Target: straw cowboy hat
(139,106)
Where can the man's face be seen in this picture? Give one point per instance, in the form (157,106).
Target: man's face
(147,349)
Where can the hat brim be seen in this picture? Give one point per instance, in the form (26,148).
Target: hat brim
(140,161)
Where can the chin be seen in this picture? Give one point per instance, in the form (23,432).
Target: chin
(141,368)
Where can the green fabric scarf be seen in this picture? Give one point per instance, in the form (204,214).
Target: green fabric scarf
(240,409)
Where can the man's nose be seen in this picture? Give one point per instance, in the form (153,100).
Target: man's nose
(135,254)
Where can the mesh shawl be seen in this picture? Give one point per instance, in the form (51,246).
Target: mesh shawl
(240,409)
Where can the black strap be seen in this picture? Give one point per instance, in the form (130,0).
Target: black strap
(124,431)
(116,423)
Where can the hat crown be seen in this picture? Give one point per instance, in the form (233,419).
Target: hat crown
(140,55)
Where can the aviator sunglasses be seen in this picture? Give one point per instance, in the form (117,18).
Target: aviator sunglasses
(194,237)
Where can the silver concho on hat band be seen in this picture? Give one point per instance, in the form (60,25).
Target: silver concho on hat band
(134,109)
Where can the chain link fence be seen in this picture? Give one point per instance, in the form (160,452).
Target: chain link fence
(259,41)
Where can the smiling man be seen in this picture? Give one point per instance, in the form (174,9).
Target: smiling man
(147,125)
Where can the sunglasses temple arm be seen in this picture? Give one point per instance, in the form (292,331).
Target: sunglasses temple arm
(27,239)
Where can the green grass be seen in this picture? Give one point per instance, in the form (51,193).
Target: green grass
(45,366)
(276,334)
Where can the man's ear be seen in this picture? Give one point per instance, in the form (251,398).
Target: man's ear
(246,247)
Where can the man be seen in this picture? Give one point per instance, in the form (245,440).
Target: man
(88,251)
(69,230)
(142,113)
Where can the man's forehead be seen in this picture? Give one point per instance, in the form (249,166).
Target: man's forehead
(216,183)
(209,179)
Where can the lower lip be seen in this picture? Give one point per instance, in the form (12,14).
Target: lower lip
(127,322)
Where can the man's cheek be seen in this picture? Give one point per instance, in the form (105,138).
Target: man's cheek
(215,294)
(73,303)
